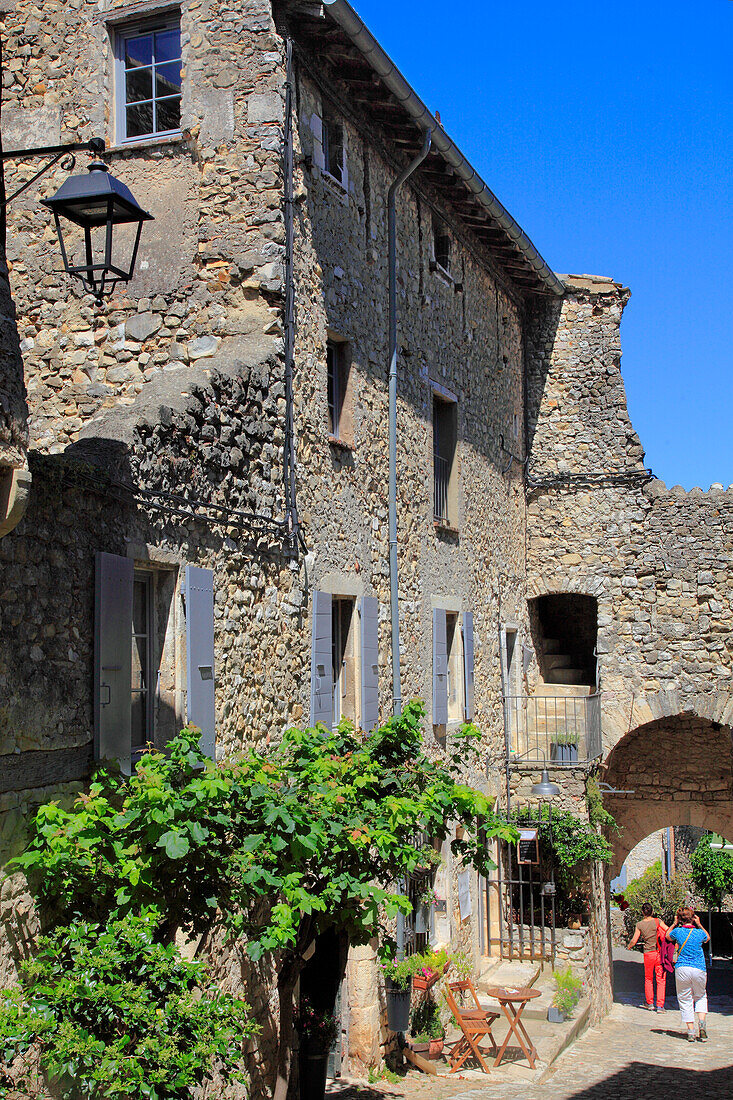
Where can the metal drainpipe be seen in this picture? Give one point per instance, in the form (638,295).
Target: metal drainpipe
(291,507)
(392,261)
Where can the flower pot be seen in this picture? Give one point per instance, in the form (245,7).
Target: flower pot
(554,1015)
(436,1048)
(424,981)
(313,1067)
(398,1006)
(563,754)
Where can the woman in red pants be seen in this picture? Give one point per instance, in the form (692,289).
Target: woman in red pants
(649,929)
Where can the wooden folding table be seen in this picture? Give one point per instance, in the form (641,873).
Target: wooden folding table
(513,1003)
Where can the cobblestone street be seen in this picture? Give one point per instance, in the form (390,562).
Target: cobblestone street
(633,1053)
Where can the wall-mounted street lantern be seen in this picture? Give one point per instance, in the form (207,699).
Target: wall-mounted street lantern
(96,202)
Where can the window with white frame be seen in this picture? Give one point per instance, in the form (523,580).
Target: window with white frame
(338,364)
(148,78)
(139,638)
(345,660)
(333,146)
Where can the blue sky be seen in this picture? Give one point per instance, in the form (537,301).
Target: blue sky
(607,132)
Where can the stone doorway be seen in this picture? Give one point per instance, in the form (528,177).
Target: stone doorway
(679,772)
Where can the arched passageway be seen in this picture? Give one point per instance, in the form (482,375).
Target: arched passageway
(680,771)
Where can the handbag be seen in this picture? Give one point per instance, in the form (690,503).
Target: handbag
(666,951)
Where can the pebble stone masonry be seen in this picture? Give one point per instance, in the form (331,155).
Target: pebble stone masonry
(176,386)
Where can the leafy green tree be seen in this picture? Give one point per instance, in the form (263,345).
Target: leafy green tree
(117,1014)
(712,872)
(312,835)
(665,898)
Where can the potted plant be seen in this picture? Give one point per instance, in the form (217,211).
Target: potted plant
(398,975)
(564,747)
(568,990)
(427,1033)
(430,968)
(318,1031)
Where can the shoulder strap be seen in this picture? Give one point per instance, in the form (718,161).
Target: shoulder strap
(685,943)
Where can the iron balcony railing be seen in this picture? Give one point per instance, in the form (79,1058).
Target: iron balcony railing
(441,476)
(564,731)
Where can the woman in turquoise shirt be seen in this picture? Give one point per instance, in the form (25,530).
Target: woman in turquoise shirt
(690,970)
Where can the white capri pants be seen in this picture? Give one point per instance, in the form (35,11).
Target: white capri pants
(692,994)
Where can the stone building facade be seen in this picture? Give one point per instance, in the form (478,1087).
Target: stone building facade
(160,441)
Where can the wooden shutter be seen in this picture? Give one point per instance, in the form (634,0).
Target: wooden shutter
(113,659)
(440,669)
(467,618)
(369,663)
(199,604)
(321,660)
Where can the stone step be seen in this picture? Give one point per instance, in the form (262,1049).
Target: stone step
(559,660)
(567,676)
(563,691)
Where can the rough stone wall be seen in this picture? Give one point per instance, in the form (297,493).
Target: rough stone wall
(644,854)
(657,560)
(210,260)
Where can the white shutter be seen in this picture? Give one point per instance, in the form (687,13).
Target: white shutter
(440,669)
(200,694)
(369,610)
(321,660)
(113,659)
(468,664)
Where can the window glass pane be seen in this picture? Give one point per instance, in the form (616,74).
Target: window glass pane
(139,85)
(138,51)
(169,114)
(167,79)
(140,608)
(140,120)
(138,728)
(168,45)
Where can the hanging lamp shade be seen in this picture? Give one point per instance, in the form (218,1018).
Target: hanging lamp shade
(545,788)
(97,202)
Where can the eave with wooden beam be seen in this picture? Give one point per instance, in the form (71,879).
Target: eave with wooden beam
(355,83)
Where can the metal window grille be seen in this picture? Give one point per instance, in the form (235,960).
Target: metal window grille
(149,80)
(441,477)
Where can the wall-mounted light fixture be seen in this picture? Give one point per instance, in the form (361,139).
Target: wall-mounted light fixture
(96,203)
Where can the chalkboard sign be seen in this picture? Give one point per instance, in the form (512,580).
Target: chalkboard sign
(528,848)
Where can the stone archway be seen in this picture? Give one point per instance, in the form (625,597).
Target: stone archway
(680,770)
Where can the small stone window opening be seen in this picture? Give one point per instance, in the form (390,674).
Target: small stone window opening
(148,82)
(565,634)
(445,437)
(441,245)
(333,147)
(338,363)
(344,659)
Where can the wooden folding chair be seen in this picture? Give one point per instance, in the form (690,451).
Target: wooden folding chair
(475,1024)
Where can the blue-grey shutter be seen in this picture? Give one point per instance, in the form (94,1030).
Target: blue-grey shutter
(321,661)
(199,604)
(440,669)
(369,663)
(113,658)
(468,664)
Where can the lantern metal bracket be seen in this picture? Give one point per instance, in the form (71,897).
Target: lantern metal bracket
(55,152)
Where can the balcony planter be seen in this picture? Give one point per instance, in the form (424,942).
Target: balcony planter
(564,752)
(555,1016)
(398,1005)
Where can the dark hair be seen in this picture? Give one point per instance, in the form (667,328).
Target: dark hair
(647,909)
(685,915)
